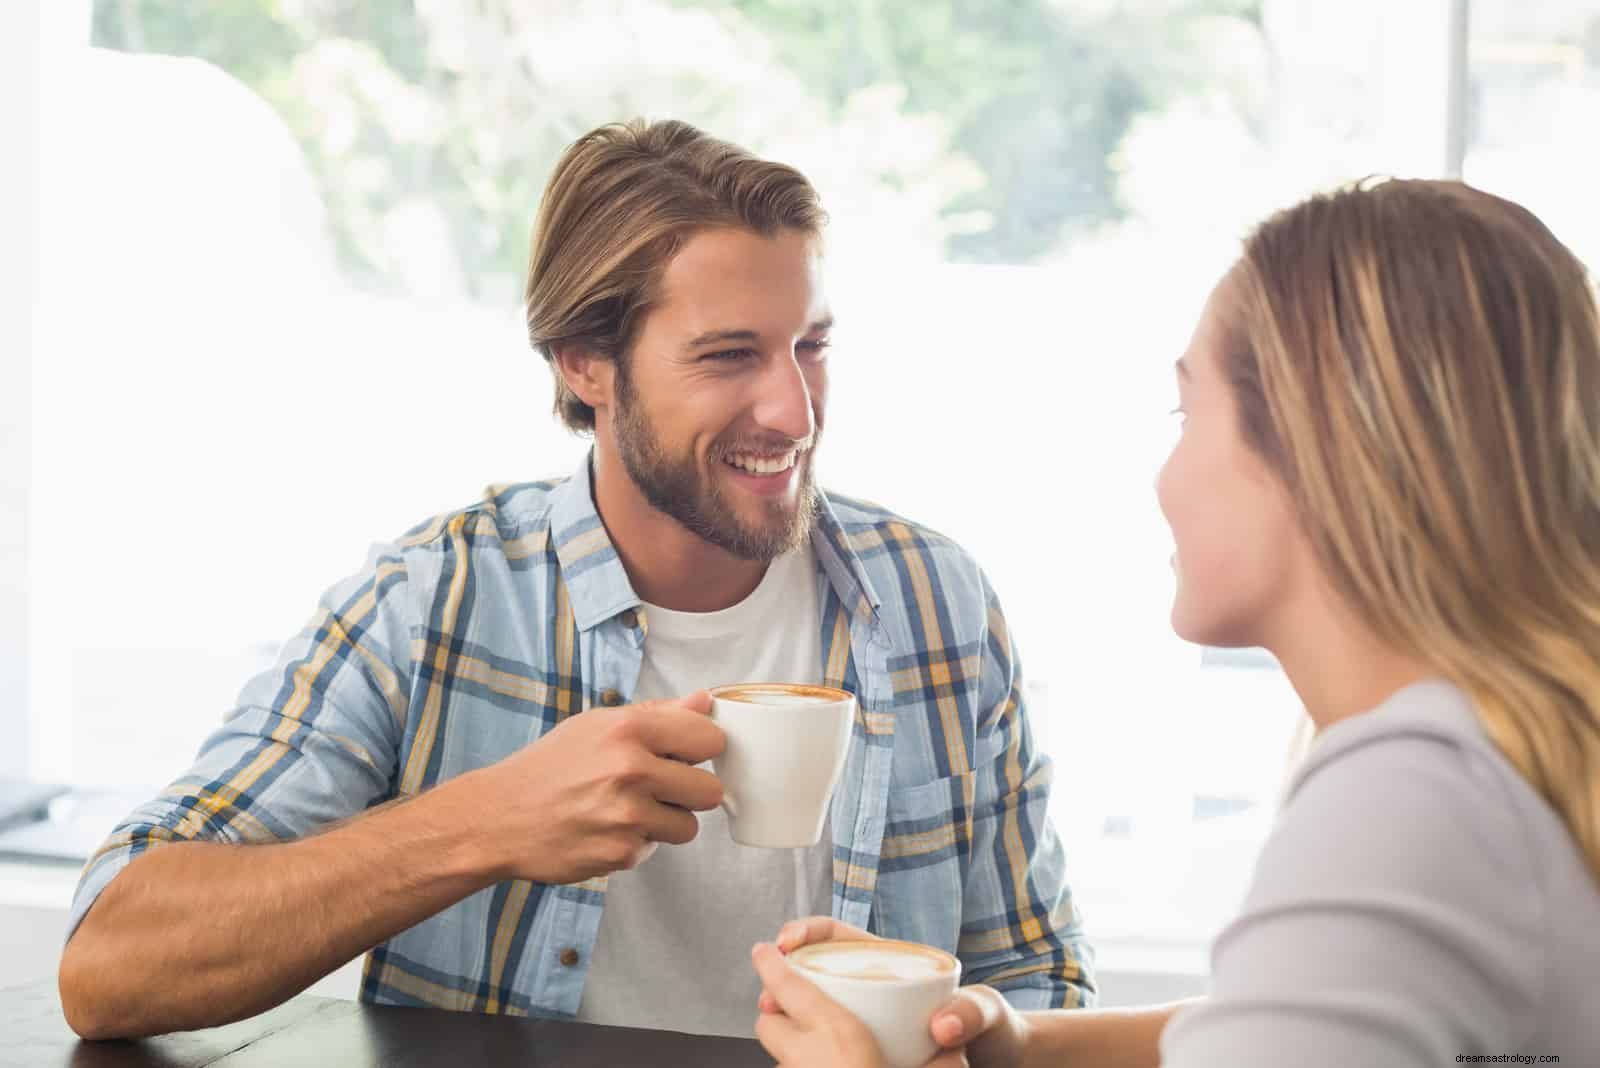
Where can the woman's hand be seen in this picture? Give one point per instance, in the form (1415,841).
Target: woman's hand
(803,1028)
(806,1029)
(978,1019)
(797,933)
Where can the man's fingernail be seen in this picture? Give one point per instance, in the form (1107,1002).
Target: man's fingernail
(949,1025)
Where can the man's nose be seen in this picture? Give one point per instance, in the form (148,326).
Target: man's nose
(784,402)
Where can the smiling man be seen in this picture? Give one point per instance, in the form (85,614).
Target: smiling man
(465,765)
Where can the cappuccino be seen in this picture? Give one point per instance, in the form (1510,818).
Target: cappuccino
(784,694)
(893,988)
(878,961)
(786,745)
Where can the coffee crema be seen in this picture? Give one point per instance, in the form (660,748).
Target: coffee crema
(779,693)
(882,961)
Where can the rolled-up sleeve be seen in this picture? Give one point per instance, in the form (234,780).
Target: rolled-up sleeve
(313,740)
(1021,932)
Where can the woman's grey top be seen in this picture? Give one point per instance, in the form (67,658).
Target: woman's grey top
(1416,903)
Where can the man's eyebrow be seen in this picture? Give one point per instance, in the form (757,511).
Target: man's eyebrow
(713,336)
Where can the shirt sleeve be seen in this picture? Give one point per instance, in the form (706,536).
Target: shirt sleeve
(1020,931)
(313,740)
(1394,919)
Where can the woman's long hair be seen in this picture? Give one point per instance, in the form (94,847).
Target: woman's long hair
(1420,362)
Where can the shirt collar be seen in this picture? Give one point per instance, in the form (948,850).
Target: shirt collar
(842,564)
(596,581)
(598,585)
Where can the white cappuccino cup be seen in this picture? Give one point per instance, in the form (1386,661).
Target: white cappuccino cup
(893,988)
(786,745)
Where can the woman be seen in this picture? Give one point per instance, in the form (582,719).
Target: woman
(1389,476)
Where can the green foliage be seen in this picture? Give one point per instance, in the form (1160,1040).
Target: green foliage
(453,113)
(1037,94)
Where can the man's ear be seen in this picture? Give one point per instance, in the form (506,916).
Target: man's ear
(587,373)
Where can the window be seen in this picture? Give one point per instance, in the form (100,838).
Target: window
(280,257)
(1534,112)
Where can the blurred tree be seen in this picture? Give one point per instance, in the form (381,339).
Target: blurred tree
(1038,93)
(988,129)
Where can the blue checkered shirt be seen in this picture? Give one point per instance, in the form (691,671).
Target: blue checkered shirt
(484,628)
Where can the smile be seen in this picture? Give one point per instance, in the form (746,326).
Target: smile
(763,465)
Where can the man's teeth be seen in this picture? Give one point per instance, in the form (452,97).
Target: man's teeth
(764,465)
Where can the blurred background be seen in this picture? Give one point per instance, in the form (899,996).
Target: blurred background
(261,272)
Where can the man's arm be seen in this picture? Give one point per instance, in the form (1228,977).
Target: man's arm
(1020,932)
(311,742)
(203,933)
(237,887)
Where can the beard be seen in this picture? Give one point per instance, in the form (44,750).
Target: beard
(677,486)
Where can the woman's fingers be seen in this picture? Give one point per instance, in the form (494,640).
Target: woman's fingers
(950,1058)
(797,933)
(964,1017)
(781,1037)
(795,995)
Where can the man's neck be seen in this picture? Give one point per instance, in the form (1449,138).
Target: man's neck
(667,564)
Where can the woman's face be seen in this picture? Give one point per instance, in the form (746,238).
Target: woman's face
(1237,538)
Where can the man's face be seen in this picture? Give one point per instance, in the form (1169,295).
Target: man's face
(719,403)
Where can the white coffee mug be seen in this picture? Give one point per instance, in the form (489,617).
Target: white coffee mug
(786,745)
(892,987)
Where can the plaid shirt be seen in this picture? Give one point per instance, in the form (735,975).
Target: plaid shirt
(484,628)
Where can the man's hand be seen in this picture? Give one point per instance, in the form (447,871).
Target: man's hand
(597,793)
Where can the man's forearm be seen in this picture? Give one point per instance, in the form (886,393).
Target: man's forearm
(197,934)
(1105,1038)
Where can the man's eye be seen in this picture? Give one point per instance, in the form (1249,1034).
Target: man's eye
(814,347)
(730,355)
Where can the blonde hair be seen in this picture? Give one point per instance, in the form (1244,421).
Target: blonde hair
(621,202)
(1420,362)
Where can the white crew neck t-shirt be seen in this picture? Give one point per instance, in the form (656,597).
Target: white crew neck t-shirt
(673,951)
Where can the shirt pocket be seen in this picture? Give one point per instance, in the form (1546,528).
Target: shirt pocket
(922,867)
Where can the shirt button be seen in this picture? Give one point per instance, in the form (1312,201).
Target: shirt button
(630,619)
(569,957)
(610,698)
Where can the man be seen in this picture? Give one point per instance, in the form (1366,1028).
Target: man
(465,764)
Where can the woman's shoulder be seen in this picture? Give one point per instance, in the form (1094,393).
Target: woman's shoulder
(1414,796)
(1432,711)
(1402,905)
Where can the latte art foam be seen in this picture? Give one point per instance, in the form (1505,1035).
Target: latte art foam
(860,960)
(780,694)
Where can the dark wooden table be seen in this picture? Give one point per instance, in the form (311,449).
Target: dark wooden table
(327,1032)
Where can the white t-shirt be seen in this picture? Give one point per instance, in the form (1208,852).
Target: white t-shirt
(673,952)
